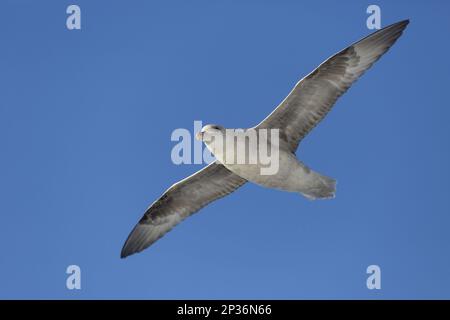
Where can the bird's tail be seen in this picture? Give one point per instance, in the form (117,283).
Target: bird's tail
(321,187)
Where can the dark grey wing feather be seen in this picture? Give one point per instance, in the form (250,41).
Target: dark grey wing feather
(313,96)
(180,201)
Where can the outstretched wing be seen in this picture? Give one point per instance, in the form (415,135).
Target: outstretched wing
(180,201)
(313,96)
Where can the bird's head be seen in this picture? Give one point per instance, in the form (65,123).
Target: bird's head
(209,131)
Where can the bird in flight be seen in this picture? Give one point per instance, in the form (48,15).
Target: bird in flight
(304,107)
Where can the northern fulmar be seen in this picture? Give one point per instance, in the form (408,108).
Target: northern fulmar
(304,107)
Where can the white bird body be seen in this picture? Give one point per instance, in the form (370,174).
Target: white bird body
(291,174)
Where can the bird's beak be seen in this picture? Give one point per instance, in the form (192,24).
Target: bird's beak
(199,136)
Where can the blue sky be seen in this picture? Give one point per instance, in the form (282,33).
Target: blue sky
(85,123)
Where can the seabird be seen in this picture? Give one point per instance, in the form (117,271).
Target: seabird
(304,107)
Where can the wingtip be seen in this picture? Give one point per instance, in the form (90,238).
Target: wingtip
(123,255)
(402,23)
(405,22)
(126,251)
